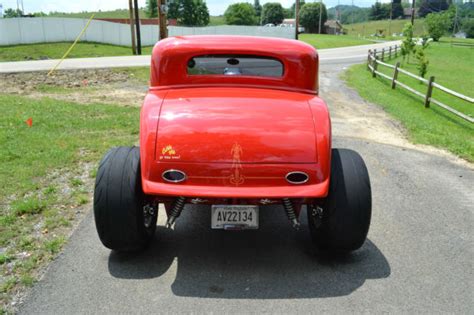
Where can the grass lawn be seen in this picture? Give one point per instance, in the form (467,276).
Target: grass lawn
(365,29)
(42,175)
(57,50)
(451,66)
(322,41)
(435,126)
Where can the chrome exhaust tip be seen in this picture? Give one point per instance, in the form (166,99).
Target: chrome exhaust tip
(297,177)
(173,176)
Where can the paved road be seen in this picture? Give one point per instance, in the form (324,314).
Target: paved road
(346,54)
(418,257)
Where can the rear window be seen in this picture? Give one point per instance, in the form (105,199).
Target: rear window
(235,65)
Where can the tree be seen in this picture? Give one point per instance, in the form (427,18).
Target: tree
(187,12)
(309,17)
(468,27)
(432,6)
(272,12)
(257,7)
(379,11)
(173,10)
(240,14)
(437,24)
(407,44)
(11,13)
(193,13)
(151,8)
(397,9)
(292,9)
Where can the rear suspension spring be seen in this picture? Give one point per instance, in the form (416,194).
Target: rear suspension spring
(175,211)
(290,212)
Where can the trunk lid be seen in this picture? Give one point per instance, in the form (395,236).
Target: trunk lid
(236,125)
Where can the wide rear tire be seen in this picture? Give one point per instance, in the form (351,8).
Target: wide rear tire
(119,202)
(341,222)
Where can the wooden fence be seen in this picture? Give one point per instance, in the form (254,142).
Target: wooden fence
(376,58)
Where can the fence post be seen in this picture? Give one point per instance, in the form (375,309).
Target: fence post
(374,67)
(383,53)
(390,52)
(395,75)
(375,53)
(429,91)
(396,47)
(368,59)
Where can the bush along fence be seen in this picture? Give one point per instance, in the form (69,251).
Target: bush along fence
(376,58)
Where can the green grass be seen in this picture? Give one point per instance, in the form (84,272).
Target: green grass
(451,66)
(57,50)
(322,41)
(33,207)
(365,29)
(433,126)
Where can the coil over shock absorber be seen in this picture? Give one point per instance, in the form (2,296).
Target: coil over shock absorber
(290,212)
(175,211)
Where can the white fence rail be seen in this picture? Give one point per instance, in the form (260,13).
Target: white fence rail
(48,29)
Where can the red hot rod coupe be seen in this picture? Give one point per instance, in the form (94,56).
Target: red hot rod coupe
(235,123)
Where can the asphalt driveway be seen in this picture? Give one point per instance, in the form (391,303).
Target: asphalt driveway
(418,257)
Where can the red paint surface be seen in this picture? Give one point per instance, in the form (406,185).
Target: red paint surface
(234,136)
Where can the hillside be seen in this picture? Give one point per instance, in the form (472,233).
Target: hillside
(371,27)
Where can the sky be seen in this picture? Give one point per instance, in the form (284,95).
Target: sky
(216,7)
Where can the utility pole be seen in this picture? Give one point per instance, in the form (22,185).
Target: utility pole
(132,26)
(297,17)
(162,10)
(320,14)
(137,24)
(455,19)
(413,12)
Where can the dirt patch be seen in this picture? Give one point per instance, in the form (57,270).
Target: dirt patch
(108,86)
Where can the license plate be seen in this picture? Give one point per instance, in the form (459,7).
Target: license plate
(234,217)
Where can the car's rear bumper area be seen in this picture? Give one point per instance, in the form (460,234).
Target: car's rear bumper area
(318,190)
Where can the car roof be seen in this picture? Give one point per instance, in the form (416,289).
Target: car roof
(171,55)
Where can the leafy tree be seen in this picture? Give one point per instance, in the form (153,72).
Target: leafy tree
(151,8)
(432,6)
(272,12)
(468,27)
(240,14)
(407,44)
(193,13)
(309,17)
(187,12)
(379,11)
(292,9)
(173,10)
(12,13)
(422,61)
(257,7)
(437,24)
(397,9)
